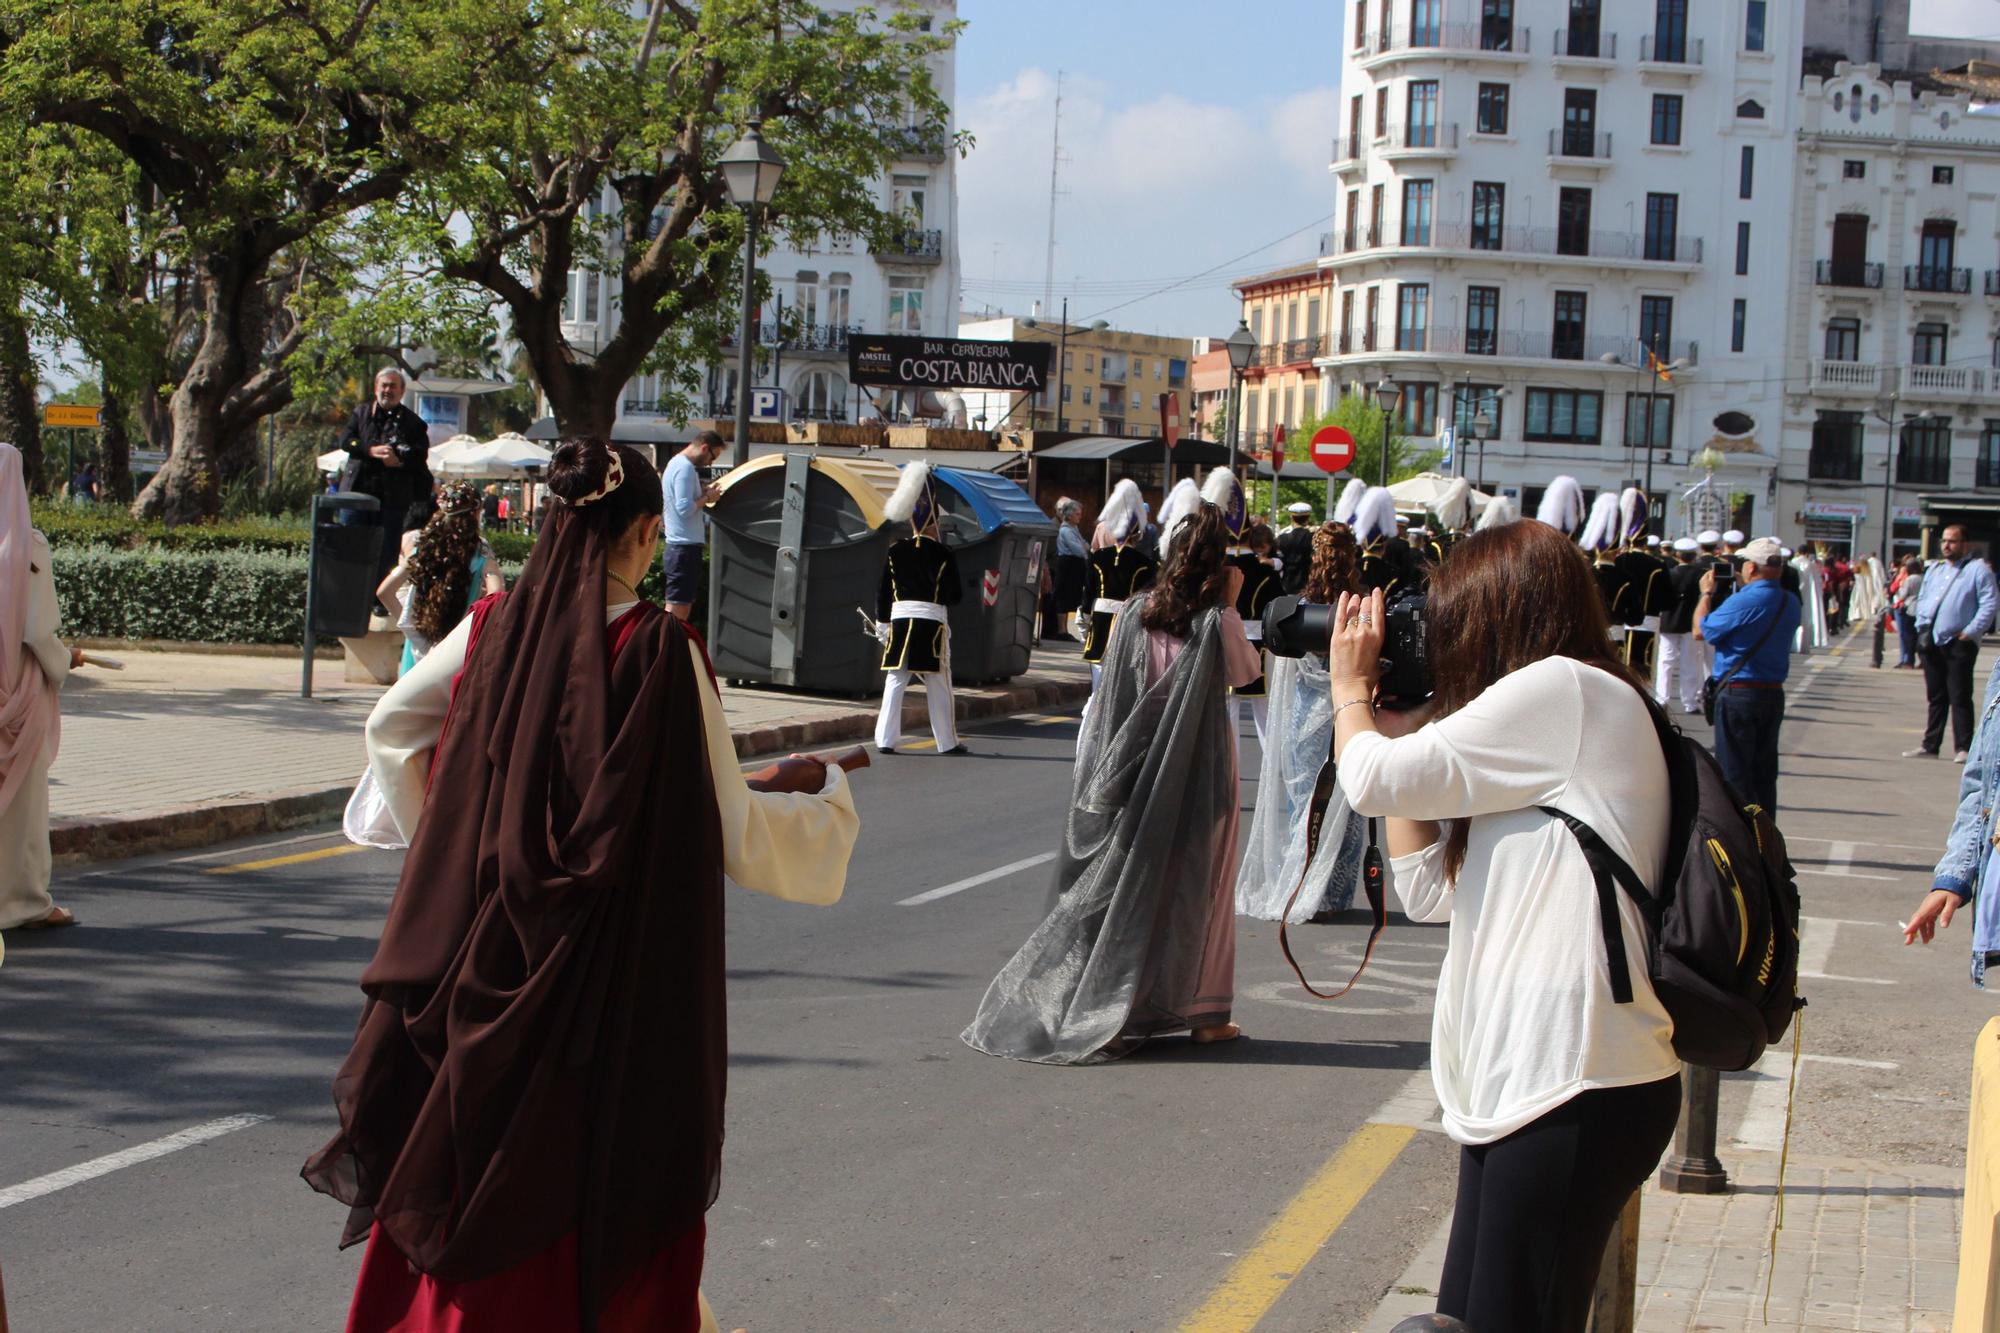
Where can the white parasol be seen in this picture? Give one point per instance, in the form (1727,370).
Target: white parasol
(1424,490)
(508,455)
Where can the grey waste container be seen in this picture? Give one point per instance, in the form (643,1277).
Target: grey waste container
(1001,540)
(340,571)
(796,544)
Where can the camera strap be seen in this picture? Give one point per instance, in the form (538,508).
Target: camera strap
(1372,884)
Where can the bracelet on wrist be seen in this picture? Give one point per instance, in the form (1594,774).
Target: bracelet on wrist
(1353,703)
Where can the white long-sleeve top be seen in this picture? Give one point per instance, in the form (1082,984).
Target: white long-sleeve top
(1525,1018)
(790,845)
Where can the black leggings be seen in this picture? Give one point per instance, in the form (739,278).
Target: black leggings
(1536,1208)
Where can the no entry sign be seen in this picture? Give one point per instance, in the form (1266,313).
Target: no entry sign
(1332,449)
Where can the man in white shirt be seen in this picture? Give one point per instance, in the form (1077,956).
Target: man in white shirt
(686,526)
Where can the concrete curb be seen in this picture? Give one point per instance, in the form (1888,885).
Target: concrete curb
(178,828)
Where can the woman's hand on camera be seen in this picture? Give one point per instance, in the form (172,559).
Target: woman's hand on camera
(1355,653)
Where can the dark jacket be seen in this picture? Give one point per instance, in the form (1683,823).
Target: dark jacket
(395,487)
(1685,580)
(1295,546)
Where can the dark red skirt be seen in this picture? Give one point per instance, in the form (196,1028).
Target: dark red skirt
(538,1296)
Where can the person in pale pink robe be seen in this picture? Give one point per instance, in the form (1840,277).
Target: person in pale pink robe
(33,665)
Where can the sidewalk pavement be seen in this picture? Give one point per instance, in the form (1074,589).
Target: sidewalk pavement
(187,749)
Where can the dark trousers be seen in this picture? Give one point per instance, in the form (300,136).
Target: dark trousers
(1746,743)
(1536,1208)
(1948,687)
(1906,633)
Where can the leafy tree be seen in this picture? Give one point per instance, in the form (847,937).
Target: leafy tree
(608,165)
(257,130)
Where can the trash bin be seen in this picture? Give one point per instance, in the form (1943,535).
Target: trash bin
(1001,539)
(341,573)
(796,544)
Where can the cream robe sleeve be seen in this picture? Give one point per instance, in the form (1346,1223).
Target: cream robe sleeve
(44,616)
(790,845)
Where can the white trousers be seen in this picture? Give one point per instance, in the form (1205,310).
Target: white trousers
(937,690)
(1679,655)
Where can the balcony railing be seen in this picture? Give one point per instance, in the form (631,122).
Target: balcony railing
(916,141)
(1841,273)
(1498,37)
(1674,51)
(1676,249)
(803,338)
(823,412)
(1110,374)
(1949,380)
(1583,45)
(1294,352)
(1416,138)
(926,245)
(1936,278)
(1349,147)
(1525,346)
(1579,144)
(1847,376)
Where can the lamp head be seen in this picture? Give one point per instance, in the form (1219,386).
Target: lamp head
(1242,346)
(1387,394)
(751,169)
(1482,425)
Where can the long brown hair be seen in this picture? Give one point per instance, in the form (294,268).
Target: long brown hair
(441,566)
(1336,564)
(1509,597)
(1196,577)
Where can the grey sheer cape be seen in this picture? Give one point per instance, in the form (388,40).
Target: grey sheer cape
(1299,729)
(1148,836)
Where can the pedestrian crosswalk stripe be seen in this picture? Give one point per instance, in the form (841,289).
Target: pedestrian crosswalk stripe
(117,1161)
(959,886)
(1261,1276)
(296,858)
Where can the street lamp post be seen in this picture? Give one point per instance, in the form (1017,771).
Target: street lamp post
(1894,423)
(750,172)
(1387,395)
(1062,352)
(1482,427)
(1242,346)
(1657,372)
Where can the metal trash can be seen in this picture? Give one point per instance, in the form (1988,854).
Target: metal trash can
(341,573)
(1001,539)
(796,544)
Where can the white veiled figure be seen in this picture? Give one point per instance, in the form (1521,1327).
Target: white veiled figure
(1274,850)
(1869,601)
(1812,595)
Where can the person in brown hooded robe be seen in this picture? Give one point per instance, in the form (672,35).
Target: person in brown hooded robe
(531,1115)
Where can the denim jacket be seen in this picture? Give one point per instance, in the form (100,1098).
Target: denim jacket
(1971,839)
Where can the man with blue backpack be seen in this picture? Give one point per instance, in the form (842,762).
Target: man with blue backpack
(1751,637)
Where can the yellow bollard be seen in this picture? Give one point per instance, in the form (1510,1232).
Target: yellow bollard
(1978,1272)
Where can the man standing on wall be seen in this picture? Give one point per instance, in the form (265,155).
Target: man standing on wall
(1955,608)
(688,493)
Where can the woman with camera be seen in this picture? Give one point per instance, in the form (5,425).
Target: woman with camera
(1561,1099)
(1141,937)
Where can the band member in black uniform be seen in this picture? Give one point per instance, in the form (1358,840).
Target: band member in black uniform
(1250,551)
(1295,549)
(919,580)
(1600,541)
(1679,667)
(1117,571)
(1649,591)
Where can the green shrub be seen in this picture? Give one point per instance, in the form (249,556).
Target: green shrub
(188,596)
(109,525)
(509,545)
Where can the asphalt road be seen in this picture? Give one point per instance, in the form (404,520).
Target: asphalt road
(880,1175)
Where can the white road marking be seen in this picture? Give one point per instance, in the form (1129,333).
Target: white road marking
(118,1161)
(1840,863)
(1763,1125)
(1835,976)
(960,886)
(1816,938)
(1852,1061)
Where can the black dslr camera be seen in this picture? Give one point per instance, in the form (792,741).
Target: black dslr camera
(1293,628)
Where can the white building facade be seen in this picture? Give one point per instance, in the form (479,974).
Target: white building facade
(1893,313)
(837,287)
(1535,195)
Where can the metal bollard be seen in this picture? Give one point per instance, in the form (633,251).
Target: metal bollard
(1694,1168)
(1614,1305)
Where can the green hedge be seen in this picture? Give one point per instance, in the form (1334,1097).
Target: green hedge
(215,596)
(189,596)
(108,525)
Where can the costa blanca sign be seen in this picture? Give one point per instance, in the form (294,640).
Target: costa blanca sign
(904,361)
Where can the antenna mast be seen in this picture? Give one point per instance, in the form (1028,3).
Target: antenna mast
(1055,192)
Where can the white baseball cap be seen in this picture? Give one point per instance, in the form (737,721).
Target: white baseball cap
(1733,537)
(1709,537)
(1686,544)
(1763,551)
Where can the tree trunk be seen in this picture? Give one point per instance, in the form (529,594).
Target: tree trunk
(188,488)
(20,414)
(114,446)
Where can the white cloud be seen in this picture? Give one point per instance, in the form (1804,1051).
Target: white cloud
(1156,190)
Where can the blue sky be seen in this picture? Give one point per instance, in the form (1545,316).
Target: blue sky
(1193,138)
(1196,134)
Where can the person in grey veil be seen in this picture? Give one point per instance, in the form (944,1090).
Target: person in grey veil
(1140,939)
(1301,740)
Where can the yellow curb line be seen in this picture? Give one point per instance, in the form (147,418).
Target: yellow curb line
(1262,1275)
(272,863)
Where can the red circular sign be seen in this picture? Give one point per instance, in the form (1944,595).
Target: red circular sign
(1332,449)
